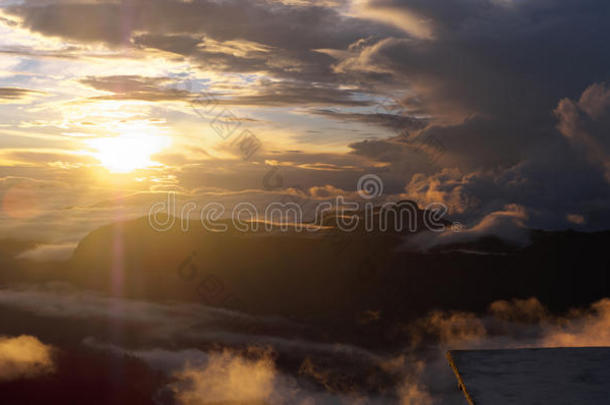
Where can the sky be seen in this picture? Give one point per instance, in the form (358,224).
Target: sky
(495,108)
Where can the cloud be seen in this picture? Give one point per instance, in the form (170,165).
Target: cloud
(490,76)
(586,124)
(299,93)
(518,323)
(508,225)
(253,367)
(56,212)
(463,59)
(424,377)
(478,81)
(24,357)
(136,88)
(201,373)
(17,95)
(289,31)
(561,183)
(63,301)
(406,155)
(585,329)
(392,121)
(166,321)
(259,93)
(45,158)
(421,371)
(227,378)
(168,361)
(399,17)
(251,376)
(49,253)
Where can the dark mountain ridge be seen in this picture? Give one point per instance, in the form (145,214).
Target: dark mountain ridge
(343,279)
(333,276)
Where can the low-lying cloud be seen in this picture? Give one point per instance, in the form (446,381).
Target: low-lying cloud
(227,378)
(424,375)
(507,224)
(49,252)
(216,356)
(24,357)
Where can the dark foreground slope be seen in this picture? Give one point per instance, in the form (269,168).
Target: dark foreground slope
(352,304)
(331,275)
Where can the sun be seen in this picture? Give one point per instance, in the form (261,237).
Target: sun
(128,152)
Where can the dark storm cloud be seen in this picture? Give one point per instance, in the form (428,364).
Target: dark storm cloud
(563,183)
(402,157)
(586,125)
(492,75)
(258,21)
(509,62)
(180,44)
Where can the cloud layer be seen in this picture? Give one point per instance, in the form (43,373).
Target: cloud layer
(257,364)
(478,104)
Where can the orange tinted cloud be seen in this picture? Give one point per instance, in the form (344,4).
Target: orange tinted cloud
(24,357)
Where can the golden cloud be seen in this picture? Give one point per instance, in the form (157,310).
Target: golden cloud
(24,357)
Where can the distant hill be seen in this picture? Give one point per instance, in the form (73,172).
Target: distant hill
(329,276)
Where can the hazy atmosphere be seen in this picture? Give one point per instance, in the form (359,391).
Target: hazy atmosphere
(296,201)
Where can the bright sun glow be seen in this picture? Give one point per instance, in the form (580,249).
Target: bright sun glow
(128,152)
